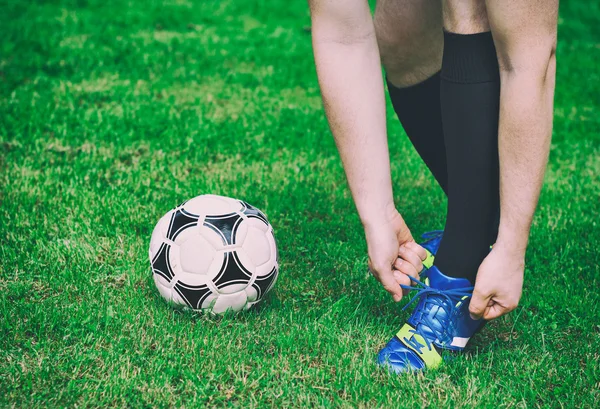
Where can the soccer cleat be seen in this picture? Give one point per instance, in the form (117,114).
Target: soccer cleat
(431,245)
(440,322)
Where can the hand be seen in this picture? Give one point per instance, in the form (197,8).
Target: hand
(499,283)
(393,253)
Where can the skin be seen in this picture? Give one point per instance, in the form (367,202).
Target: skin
(524,33)
(410,39)
(346,52)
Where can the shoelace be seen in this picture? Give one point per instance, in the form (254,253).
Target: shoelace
(447,302)
(430,235)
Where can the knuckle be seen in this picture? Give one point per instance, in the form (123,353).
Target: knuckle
(479,294)
(475,307)
(405,280)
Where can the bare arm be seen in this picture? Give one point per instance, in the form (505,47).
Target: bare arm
(525,37)
(349,71)
(526,47)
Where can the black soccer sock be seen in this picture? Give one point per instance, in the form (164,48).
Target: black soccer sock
(418,109)
(470,100)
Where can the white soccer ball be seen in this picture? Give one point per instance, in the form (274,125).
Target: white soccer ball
(214,253)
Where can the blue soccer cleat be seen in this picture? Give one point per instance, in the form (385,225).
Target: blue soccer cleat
(440,322)
(431,245)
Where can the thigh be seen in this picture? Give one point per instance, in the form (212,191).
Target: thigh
(409,34)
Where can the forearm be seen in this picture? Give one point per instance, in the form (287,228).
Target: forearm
(525,129)
(351,83)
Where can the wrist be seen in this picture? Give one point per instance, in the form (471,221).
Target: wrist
(512,242)
(378,215)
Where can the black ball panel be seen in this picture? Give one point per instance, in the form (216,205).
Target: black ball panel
(193,295)
(251,211)
(263,284)
(180,220)
(225,226)
(161,264)
(232,271)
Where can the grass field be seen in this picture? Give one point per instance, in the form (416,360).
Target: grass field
(112,112)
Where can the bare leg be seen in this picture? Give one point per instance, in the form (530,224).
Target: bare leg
(465,16)
(410,39)
(409,34)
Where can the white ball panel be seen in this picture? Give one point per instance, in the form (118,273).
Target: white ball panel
(215,266)
(161,281)
(211,205)
(158,234)
(266,268)
(209,301)
(250,305)
(187,233)
(174,259)
(271,263)
(233,288)
(212,237)
(234,302)
(246,261)
(241,233)
(257,246)
(176,299)
(196,254)
(164,288)
(257,223)
(272,244)
(192,279)
(251,294)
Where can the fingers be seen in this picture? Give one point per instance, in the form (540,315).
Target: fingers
(384,274)
(479,303)
(392,286)
(494,311)
(406,253)
(417,249)
(402,279)
(488,308)
(497,309)
(406,268)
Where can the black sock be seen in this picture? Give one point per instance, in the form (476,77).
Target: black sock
(418,109)
(470,100)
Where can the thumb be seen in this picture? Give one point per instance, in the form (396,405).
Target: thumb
(383,272)
(495,311)
(478,304)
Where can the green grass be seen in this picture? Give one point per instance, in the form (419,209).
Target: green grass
(112,112)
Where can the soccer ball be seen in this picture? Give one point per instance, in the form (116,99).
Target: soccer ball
(214,253)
